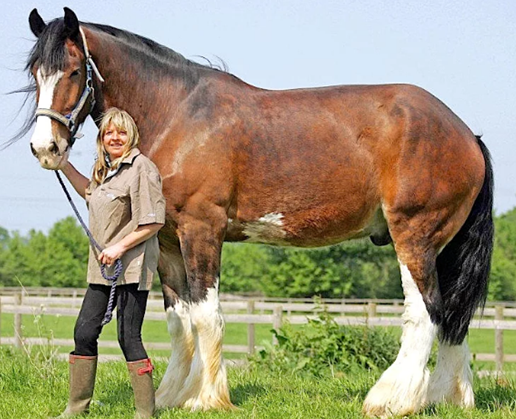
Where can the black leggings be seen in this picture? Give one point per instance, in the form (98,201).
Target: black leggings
(131,305)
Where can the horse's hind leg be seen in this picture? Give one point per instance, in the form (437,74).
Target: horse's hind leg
(175,293)
(452,379)
(402,388)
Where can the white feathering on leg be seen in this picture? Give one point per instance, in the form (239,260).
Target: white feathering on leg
(452,380)
(180,329)
(206,386)
(402,388)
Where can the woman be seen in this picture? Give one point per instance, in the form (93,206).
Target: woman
(126,208)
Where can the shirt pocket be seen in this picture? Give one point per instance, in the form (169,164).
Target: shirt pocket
(113,206)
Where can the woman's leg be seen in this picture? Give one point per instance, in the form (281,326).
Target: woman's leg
(131,310)
(83,360)
(89,323)
(131,305)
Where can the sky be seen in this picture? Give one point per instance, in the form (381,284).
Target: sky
(463,52)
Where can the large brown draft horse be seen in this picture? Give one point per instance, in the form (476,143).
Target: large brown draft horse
(304,167)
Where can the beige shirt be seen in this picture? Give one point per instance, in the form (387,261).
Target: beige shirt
(130,198)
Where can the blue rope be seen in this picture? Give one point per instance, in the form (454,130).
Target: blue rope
(118,263)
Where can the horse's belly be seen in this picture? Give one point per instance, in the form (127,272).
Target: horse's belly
(310,228)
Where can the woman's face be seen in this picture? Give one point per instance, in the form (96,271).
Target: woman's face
(114,141)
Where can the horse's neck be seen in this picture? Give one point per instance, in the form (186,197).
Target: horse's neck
(150,101)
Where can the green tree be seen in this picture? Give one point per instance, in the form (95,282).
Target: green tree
(503,269)
(243,267)
(351,269)
(57,260)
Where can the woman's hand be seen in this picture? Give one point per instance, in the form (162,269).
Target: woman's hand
(110,254)
(144,232)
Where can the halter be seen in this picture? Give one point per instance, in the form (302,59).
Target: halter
(88,96)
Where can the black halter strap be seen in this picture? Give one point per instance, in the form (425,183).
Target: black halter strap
(71,120)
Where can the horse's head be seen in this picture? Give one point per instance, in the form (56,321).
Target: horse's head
(64,91)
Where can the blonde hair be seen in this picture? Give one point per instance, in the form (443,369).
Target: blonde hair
(121,120)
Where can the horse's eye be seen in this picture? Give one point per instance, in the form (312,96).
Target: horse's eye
(75,73)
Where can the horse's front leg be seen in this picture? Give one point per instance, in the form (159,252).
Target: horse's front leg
(175,293)
(201,233)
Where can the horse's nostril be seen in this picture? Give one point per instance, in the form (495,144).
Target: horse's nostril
(33,150)
(54,148)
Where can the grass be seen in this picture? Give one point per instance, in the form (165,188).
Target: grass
(35,386)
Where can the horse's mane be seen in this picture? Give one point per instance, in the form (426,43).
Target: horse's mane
(49,52)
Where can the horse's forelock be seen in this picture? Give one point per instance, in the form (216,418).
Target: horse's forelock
(49,50)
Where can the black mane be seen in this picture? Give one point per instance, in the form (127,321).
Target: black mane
(49,48)
(49,52)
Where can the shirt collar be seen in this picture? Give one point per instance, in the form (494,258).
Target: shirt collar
(135,152)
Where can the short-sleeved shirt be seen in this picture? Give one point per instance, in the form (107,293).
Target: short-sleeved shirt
(130,198)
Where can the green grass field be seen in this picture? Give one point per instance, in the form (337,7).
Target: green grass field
(35,386)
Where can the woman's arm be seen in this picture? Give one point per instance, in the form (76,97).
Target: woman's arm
(110,254)
(78,181)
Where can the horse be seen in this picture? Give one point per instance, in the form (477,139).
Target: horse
(305,167)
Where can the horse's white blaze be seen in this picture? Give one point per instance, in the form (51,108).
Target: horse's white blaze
(452,380)
(267,229)
(180,330)
(402,388)
(206,385)
(42,136)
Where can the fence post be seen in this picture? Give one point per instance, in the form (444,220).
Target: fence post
(371,310)
(250,329)
(499,340)
(277,321)
(18,321)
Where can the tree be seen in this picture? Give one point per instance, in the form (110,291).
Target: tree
(58,260)
(503,269)
(351,269)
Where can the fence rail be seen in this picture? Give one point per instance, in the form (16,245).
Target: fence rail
(250,311)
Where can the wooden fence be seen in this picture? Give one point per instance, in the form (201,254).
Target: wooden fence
(250,311)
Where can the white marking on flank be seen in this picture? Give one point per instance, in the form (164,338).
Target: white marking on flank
(267,229)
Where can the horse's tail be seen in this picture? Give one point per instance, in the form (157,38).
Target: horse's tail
(464,264)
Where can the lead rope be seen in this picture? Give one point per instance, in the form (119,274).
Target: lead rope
(118,263)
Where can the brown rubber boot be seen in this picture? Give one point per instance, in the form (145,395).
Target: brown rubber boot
(143,387)
(82,381)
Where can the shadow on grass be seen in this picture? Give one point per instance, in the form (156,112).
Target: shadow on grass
(242,392)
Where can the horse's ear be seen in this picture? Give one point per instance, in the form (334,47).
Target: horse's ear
(71,24)
(37,25)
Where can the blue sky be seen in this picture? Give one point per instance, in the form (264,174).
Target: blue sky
(464,52)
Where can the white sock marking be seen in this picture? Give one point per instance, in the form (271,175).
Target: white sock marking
(402,388)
